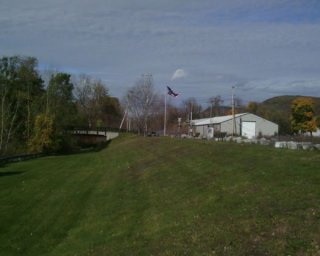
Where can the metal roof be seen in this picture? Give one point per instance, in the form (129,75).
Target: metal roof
(215,120)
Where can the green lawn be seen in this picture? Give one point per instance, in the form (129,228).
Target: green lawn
(162,196)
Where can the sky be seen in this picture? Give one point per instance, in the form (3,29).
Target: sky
(200,48)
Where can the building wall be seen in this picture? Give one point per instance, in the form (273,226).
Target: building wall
(202,129)
(316,133)
(263,126)
(227,126)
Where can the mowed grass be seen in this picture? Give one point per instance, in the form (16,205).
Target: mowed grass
(162,196)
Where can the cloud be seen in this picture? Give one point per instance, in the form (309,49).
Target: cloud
(178,74)
(261,46)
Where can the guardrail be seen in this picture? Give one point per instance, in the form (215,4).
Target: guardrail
(97,129)
(18,158)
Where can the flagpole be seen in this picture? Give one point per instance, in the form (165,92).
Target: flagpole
(171,93)
(124,116)
(165,114)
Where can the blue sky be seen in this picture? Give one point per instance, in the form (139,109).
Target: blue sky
(264,48)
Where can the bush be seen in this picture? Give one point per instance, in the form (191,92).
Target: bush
(42,140)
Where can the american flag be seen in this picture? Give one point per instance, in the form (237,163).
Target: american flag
(171,92)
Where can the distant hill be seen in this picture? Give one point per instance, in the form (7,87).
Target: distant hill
(278,110)
(284,103)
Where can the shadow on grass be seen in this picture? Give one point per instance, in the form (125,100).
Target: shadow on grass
(87,148)
(4,161)
(4,174)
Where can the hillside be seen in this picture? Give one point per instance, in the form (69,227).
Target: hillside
(284,103)
(278,110)
(162,196)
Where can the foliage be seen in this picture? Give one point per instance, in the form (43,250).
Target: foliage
(21,90)
(24,100)
(61,103)
(95,104)
(318,121)
(252,107)
(42,140)
(111,112)
(278,110)
(62,107)
(302,115)
(147,196)
(173,113)
(64,143)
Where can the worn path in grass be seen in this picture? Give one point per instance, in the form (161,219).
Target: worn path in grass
(161,196)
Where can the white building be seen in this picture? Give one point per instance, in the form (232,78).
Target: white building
(244,124)
(315,134)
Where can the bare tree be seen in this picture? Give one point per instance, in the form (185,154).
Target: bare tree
(215,104)
(84,94)
(46,76)
(141,101)
(238,102)
(94,103)
(192,108)
(90,95)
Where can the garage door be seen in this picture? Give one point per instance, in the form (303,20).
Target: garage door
(248,129)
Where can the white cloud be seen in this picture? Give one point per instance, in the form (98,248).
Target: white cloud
(178,74)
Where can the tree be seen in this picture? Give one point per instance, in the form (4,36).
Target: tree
(318,121)
(61,103)
(141,101)
(61,108)
(252,107)
(95,104)
(111,112)
(238,104)
(21,89)
(42,140)
(173,113)
(32,87)
(192,108)
(302,115)
(86,98)
(215,104)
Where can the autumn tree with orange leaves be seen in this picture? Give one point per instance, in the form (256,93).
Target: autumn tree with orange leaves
(302,115)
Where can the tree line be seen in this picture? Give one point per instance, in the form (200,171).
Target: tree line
(36,108)
(145,108)
(294,114)
(39,108)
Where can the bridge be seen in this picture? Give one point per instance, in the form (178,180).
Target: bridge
(97,136)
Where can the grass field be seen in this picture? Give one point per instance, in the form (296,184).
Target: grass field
(162,196)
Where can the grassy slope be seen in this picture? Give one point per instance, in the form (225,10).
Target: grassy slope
(144,196)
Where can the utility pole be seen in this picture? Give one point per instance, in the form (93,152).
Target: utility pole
(211,101)
(147,80)
(233,114)
(190,128)
(165,114)
(179,126)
